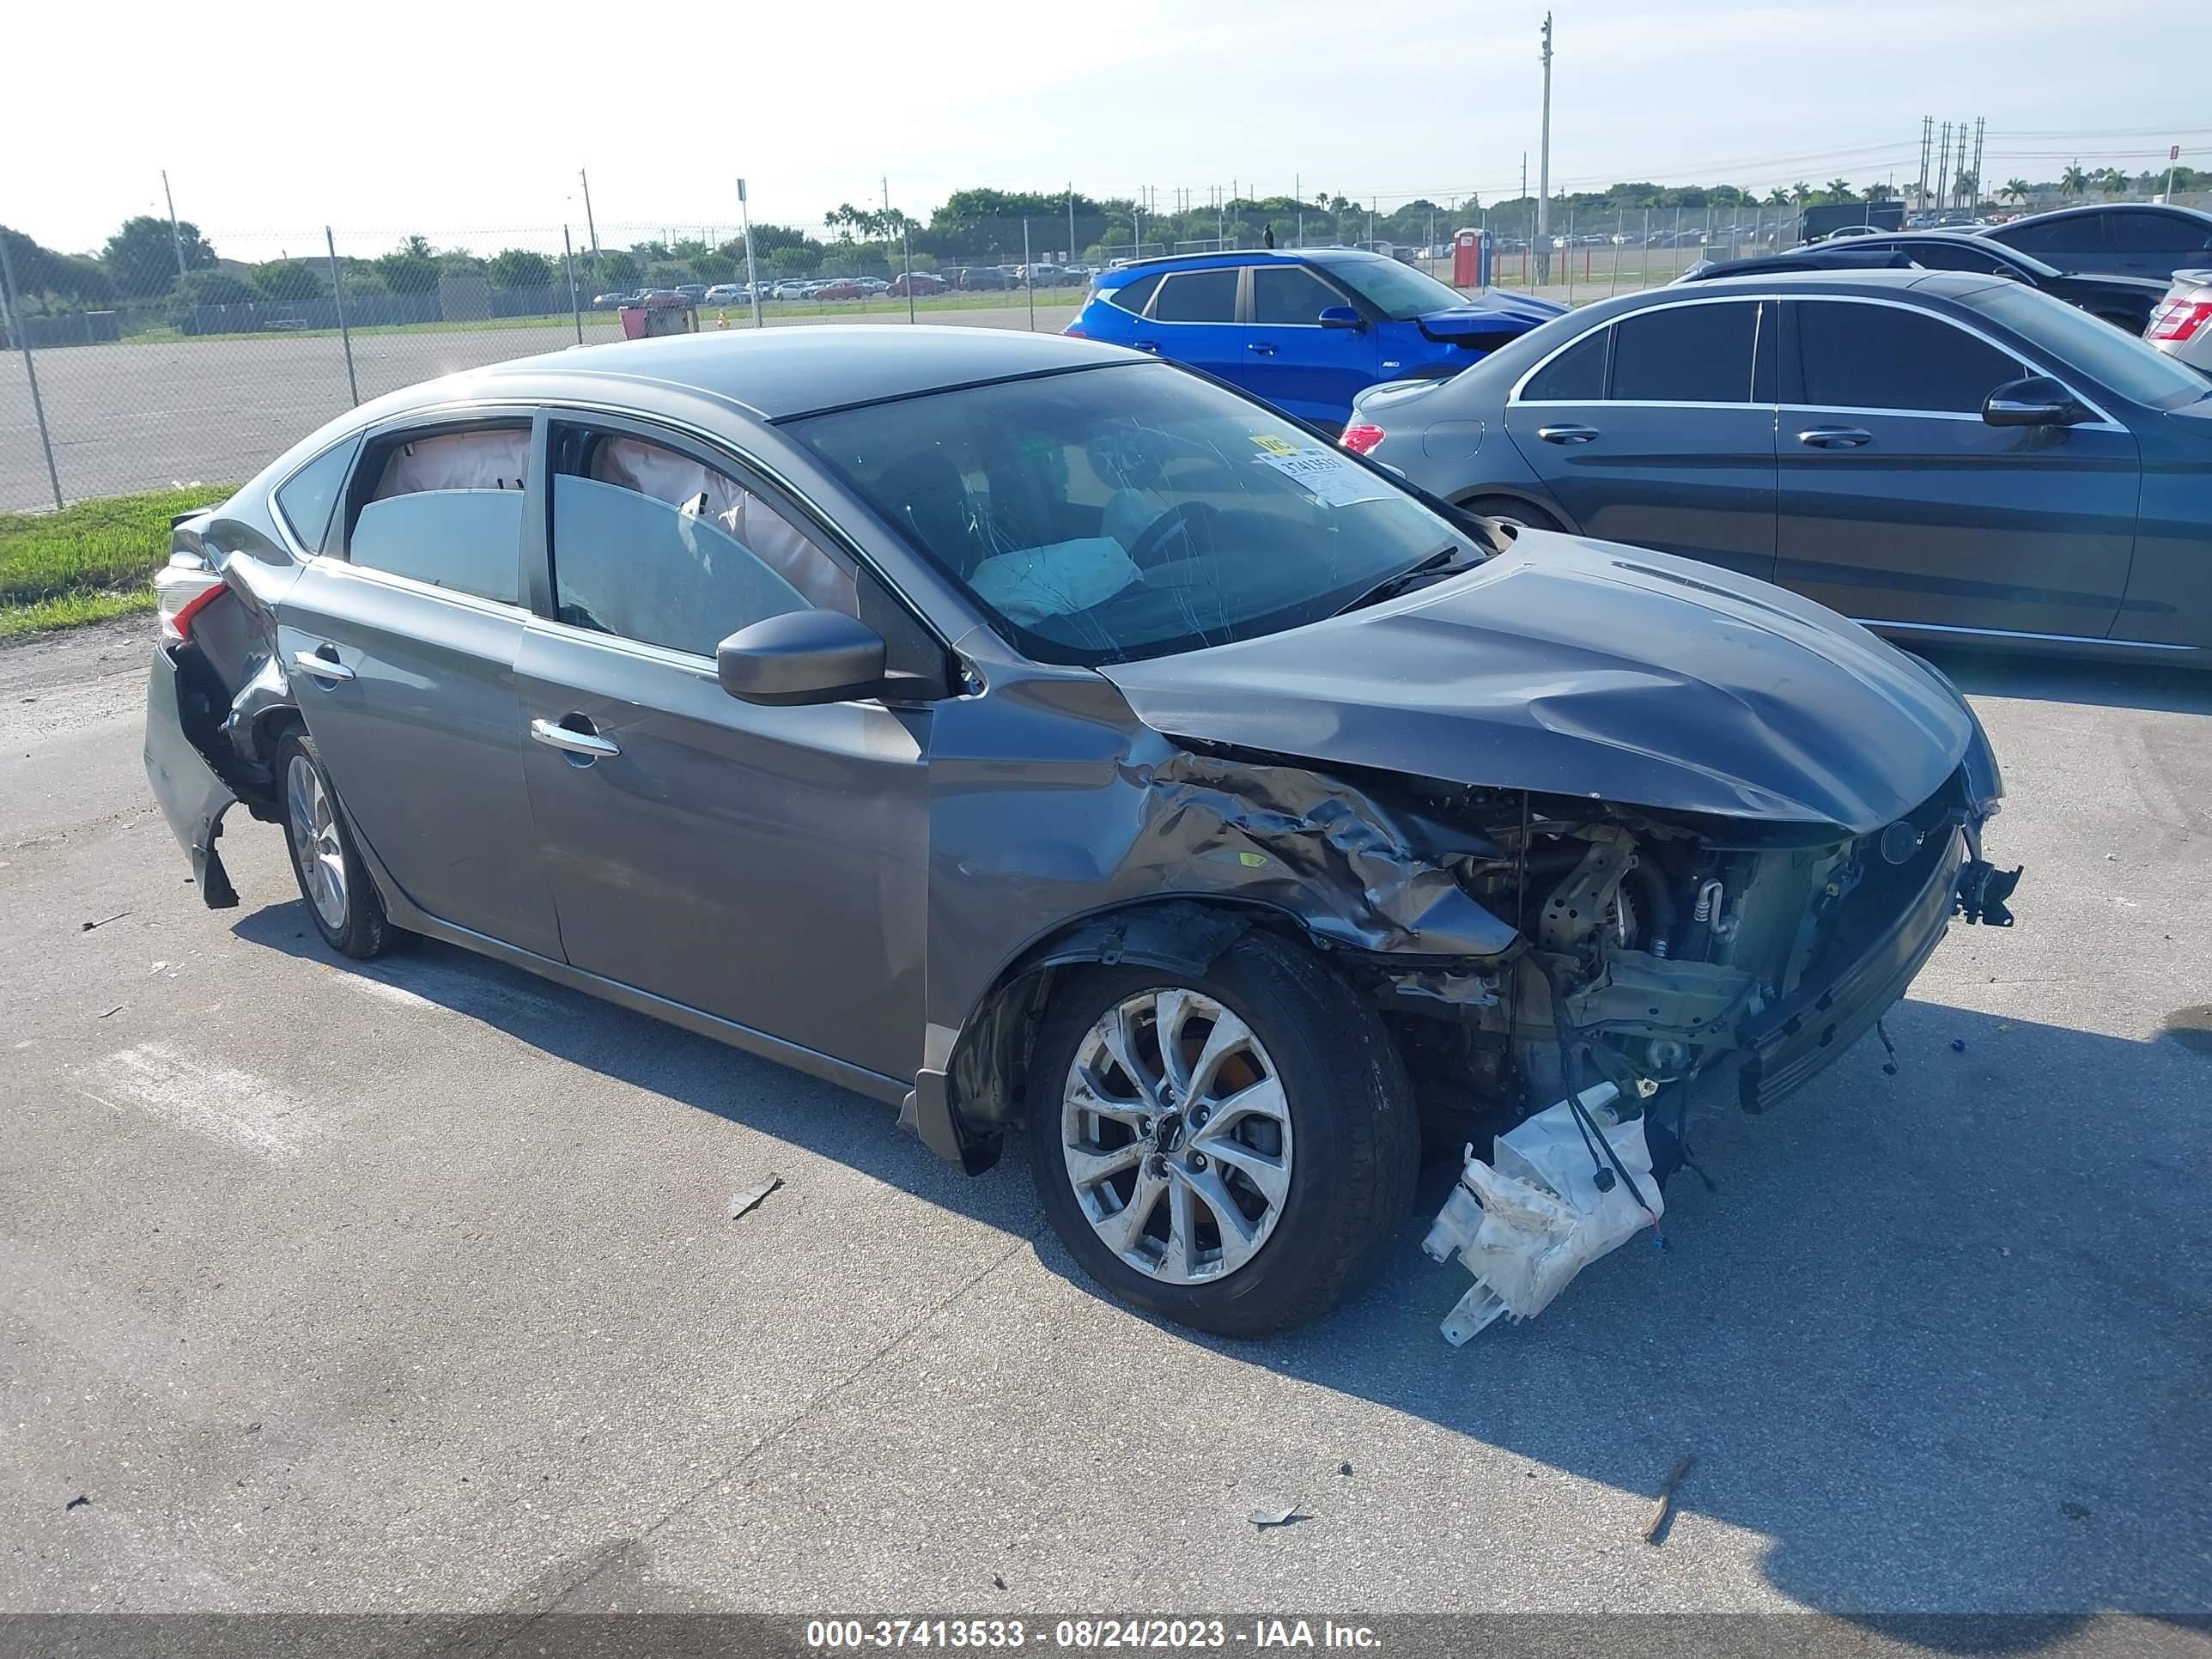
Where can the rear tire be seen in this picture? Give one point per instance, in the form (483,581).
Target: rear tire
(342,899)
(1244,1187)
(1512,511)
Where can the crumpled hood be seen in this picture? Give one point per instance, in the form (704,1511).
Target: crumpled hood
(1490,316)
(1576,667)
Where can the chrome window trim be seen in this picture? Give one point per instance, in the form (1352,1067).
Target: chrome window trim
(1513,397)
(2103,422)
(393,579)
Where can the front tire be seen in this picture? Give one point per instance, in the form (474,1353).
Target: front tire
(1231,1150)
(341,900)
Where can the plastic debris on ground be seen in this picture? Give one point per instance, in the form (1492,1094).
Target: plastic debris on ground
(747,1198)
(1548,1204)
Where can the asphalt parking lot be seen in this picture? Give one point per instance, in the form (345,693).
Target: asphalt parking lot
(135,416)
(415,1287)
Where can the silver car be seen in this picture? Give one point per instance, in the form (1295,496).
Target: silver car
(2181,326)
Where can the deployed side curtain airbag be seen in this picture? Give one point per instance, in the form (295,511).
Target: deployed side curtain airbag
(456,460)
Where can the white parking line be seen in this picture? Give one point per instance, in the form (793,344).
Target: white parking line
(236,1108)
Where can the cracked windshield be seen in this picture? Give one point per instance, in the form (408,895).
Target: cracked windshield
(1111,514)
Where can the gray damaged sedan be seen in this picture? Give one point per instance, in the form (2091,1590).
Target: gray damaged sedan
(1030,734)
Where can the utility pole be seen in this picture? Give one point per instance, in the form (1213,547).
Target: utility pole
(176,236)
(887,196)
(1927,145)
(2172,160)
(1981,122)
(1071,221)
(590,226)
(1943,167)
(1543,169)
(752,274)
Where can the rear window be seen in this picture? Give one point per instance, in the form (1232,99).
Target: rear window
(1687,353)
(306,497)
(1576,375)
(1131,296)
(1197,296)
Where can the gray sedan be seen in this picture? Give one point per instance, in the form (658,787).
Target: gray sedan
(1025,733)
(1945,457)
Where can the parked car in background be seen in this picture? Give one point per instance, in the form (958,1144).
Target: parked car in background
(724,294)
(918,283)
(844,288)
(2124,302)
(695,292)
(1020,733)
(2181,326)
(1943,456)
(982,277)
(612,301)
(1304,330)
(791,288)
(2127,239)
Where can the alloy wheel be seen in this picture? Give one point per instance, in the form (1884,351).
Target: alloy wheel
(1177,1135)
(315,847)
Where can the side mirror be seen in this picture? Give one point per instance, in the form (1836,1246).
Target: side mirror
(801,656)
(1340,317)
(2038,400)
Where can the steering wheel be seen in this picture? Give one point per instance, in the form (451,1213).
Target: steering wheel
(1183,516)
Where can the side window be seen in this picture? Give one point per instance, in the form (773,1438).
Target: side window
(446,509)
(651,545)
(2084,233)
(1870,356)
(1197,296)
(1576,375)
(1949,256)
(307,498)
(1289,294)
(1131,296)
(2157,232)
(1686,354)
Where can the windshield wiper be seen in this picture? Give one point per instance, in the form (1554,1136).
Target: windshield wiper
(1434,567)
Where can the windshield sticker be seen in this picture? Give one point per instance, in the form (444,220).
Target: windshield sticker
(1329,479)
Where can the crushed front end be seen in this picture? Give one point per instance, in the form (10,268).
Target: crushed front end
(1662,961)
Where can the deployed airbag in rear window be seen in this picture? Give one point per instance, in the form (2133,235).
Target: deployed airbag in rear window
(468,540)
(490,459)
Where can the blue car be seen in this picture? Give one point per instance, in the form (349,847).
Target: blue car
(1308,331)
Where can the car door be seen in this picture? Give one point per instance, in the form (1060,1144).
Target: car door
(1899,504)
(399,643)
(1294,361)
(1658,431)
(762,865)
(2145,242)
(1192,319)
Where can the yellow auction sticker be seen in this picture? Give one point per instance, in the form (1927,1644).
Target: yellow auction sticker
(1274,446)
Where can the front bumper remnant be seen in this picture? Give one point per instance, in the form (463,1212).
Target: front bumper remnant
(1548,1204)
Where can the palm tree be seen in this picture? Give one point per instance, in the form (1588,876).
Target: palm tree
(1801,192)
(1966,187)
(2073,181)
(1875,193)
(2017,189)
(1839,189)
(1778,198)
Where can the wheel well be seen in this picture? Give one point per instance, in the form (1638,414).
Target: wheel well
(1493,504)
(991,1057)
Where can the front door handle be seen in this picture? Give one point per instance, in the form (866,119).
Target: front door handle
(1835,437)
(319,666)
(1567,434)
(1263,350)
(587,746)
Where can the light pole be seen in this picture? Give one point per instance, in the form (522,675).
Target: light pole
(752,272)
(590,226)
(176,236)
(1543,169)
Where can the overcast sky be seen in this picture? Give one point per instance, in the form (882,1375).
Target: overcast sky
(465,121)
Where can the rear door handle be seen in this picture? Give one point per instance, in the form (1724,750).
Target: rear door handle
(588,744)
(319,666)
(1263,350)
(1835,437)
(1567,434)
(1145,345)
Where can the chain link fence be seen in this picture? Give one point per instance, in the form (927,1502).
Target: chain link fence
(176,359)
